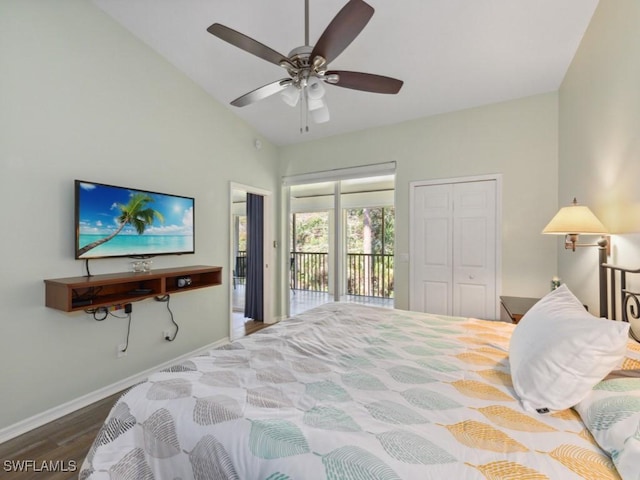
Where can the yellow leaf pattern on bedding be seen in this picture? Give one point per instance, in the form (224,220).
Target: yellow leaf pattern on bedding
(503,470)
(492,337)
(586,463)
(475,359)
(509,418)
(568,414)
(473,388)
(630,364)
(481,435)
(475,340)
(585,434)
(491,351)
(635,346)
(477,328)
(496,376)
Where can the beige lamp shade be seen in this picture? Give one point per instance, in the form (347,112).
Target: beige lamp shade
(575,219)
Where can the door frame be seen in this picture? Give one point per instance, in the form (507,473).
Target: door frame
(267,249)
(497,177)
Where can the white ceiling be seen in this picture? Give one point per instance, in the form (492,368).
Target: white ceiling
(451,54)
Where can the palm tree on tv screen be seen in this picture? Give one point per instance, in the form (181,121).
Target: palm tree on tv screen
(135,213)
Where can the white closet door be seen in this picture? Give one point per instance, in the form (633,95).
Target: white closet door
(431,285)
(453,263)
(474,249)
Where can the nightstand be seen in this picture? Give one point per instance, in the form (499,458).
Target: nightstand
(512,309)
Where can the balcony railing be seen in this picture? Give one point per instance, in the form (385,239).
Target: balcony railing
(367,274)
(370,275)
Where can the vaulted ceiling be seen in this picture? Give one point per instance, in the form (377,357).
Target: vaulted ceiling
(451,54)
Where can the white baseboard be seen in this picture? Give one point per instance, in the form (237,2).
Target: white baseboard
(52,414)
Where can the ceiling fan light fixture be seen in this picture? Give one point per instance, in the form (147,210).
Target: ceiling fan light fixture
(314,103)
(291,95)
(315,89)
(320,115)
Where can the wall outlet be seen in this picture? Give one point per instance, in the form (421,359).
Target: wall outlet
(166,334)
(120,350)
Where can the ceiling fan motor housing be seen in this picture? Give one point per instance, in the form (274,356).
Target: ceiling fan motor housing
(300,68)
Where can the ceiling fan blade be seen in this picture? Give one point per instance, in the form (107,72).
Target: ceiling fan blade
(247,44)
(262,92)
(367,82)
(342,30)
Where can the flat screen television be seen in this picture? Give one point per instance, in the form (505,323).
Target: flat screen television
(112,221)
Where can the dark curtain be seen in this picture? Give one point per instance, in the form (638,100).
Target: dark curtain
(253,305)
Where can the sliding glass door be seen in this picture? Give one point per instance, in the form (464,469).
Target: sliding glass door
(346,256)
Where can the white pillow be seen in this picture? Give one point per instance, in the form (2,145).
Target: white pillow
(559,351)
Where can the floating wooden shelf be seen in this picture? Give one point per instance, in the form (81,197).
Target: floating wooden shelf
(80,293)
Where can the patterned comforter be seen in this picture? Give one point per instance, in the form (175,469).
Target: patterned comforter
(344,391)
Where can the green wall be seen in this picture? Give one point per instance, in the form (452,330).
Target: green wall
(600,140)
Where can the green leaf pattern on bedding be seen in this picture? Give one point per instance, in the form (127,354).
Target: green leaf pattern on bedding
(381,353)
(395,336)
(438,365)
(440,344)
(429,400)
(619,385)
(605,413)
(409,374)
(421,350)
(375,340)
(355,361)
(276,439)
(411,448)
(354,463)
(392,412)
(330,418)
(327,390)
(362,381)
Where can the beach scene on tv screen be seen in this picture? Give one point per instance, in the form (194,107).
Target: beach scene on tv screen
(114,221)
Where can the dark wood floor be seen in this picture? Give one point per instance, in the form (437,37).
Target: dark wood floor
(62,444)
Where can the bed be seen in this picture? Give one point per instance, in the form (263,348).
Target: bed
(347,391)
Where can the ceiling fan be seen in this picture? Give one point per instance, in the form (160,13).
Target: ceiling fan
(307,65)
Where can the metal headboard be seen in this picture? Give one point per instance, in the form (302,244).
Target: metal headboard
(629,301)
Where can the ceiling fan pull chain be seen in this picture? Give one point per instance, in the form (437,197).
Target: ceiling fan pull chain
(302,108)
(306,110)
